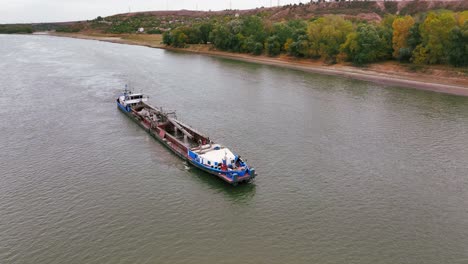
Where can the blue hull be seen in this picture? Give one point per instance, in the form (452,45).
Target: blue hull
(230,177)
(123,108)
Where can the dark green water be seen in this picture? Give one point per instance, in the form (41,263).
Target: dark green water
(349,171)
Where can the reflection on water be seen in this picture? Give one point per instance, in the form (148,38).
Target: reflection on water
(243,193)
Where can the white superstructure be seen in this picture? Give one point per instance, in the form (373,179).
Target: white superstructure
(132,99)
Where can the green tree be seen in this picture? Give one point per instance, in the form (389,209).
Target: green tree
(221,37)
(300,48)
(253,26)
(237,42)
(273,46)
(326,35)
(179,38)
(364,46)
(16,29)
(167,38)
(435,34)
(283,32)
(248,45)
(385,30)
(258,48)
(414,37)
(205,30)
(193,35)
(458,48)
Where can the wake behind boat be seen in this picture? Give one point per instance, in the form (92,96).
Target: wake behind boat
(184,141)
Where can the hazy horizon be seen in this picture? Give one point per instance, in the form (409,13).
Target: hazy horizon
(37,11)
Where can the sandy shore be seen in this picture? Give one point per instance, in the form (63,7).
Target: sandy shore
(438,79)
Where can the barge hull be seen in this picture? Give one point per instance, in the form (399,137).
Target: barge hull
(183,156)
(151,132)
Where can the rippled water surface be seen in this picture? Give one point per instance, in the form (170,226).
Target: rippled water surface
(349,171)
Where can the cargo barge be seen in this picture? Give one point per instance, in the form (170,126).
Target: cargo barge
(187,143)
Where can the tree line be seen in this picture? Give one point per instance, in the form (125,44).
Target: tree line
(16,29)
(436,37)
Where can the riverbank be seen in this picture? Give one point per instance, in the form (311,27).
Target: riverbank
(441,79)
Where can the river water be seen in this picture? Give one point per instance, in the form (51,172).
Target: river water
(348,171)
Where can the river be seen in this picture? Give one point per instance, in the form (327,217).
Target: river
(348,171)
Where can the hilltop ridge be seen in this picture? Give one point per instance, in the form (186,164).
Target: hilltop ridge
(369,11)
(157,21)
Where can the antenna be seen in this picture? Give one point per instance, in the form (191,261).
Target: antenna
(279,3)
(230,5)
(167,4)
(129,9)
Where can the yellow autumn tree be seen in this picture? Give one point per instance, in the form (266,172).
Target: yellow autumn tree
(462,17)
(401,29)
